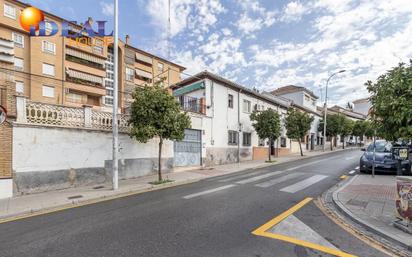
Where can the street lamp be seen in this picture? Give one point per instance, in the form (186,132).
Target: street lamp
(326,108)
(115,165)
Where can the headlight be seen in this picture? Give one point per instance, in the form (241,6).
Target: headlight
(364,159)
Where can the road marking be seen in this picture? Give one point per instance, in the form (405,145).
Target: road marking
(262,231)
(279,180)
(208,191)
(310,163)
(256,178)
(357,167)
(352,171)
(343,177)
(303,184)
(349,158)
(240,176)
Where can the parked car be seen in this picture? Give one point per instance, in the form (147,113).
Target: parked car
(384,161)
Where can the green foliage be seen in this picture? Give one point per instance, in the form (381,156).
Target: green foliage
(156,113)
(334,125)
(266,124)
(391,98)
(297,124)
(359,128)
(347,127)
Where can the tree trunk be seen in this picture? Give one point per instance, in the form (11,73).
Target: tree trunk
(300,146)
(331,143)
(160,159)
(343,143)
(270,149)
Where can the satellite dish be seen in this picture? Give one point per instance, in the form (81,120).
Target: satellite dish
(3,114)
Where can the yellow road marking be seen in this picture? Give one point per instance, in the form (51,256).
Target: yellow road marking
(262,231)
(343,177)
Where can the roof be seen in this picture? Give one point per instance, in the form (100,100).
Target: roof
(280,101)
(362,100)
(291,89)
(349,113)
(135,48)
(305,109)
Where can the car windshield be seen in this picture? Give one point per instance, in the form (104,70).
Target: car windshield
(381,147)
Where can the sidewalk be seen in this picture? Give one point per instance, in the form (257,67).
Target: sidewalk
(371,203)
(27,205)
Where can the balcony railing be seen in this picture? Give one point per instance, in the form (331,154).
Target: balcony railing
(192,104)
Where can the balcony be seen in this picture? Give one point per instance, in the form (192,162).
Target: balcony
(192,104)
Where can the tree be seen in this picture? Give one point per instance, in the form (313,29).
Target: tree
(347,129)
(333,127)
(297,125)
(156,113)
(359,129)
(267,125)
(391,102)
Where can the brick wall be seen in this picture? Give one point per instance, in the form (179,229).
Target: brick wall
(8,101)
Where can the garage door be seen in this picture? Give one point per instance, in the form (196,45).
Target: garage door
(188,151)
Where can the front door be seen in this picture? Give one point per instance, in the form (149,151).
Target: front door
(188,152)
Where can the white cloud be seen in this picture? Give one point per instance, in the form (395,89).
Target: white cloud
(107,8)
(293,11)
(254,17)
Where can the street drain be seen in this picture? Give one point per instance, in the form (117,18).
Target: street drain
(74,197)
(98,187)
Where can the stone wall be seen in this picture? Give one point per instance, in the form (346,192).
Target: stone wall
(219,156)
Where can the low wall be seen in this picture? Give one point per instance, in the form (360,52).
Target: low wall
(226,155)
(47,158)
(260,153)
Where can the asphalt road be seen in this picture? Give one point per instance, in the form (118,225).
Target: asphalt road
(214,217)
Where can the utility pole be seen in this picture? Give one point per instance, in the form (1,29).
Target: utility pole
(115,163)
(326,109)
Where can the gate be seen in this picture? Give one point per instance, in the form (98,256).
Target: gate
(188,152)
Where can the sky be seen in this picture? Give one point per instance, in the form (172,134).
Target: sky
(265,44)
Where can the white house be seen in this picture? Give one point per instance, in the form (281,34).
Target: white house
(222,131)
(304,100)
(362,106)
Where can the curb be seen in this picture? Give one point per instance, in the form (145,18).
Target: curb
(103,198)
(359,221)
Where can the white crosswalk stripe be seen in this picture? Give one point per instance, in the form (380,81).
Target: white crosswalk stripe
(310,163)
(240,176)
(303,184)
(352,171)
(279,180)
(256,178)
(208,191)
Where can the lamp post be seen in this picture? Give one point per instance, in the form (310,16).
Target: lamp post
(115,164)
(326,108)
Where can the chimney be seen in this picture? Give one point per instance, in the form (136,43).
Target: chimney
(127,39)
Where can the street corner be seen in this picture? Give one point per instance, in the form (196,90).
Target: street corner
(288,227)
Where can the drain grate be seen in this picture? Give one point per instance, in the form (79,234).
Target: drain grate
(74,197)
(98,187)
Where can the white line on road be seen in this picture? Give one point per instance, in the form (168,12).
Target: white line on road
(349,158)
(241,176)
(208,191)
(310,163)
(279,180)
(352,171)
(303,184)
(250,180)
(357,168)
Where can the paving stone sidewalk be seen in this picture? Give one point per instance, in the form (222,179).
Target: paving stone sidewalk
(60,199)
(371,203)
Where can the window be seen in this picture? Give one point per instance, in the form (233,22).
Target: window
(232,137)
(129,74)
(160,67)
(18,39)
(283,142)
(110,75)
(98,46)
(48,27)
(48,69)
(9,11)
(307,98)
(18,63)
(230,101)
(48,91)
(247,139)
(108,101)
(20,87)
(246,106)
(48,47)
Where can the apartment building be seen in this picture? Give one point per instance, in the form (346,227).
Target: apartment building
(76,72)
(362,106)
(222,131)
(304,100)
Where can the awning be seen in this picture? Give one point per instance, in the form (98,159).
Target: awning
(190,88)
(84,76)
(85,56)
(144,74)
(143,58)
